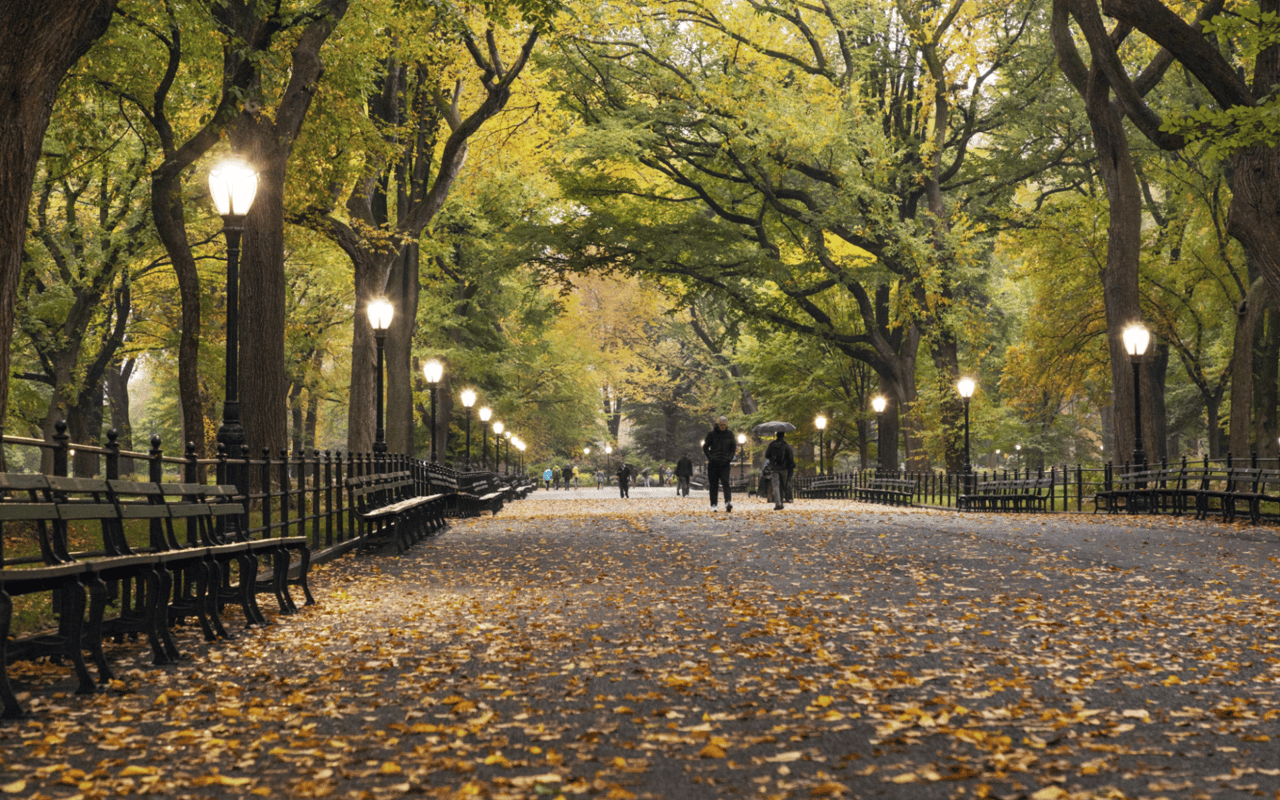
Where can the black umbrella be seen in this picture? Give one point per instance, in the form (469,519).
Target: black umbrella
(773,426)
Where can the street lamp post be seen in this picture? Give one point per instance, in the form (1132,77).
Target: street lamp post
(742,456)
(506,464)
(1136,338)
(485,414)
(233,184)
(520,456)
(468,400)
(608,460)
(498,427)
(966,387)
(380,313)
(433,371)
(820,422)
(878,404)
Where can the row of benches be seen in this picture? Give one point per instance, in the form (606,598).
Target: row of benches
(158,553)
(1007,494)
(1198,489)
(879,489)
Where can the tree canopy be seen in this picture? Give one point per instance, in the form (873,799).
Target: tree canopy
(616,221)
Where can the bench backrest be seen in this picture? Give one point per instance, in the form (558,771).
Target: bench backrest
(25,505)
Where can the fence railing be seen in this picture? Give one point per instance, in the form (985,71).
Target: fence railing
(288,494)
(1071,487)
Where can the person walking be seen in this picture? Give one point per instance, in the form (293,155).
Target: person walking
(546,477)
(624,480)
(684,473)
(782,462)
(719,447)
(575,476)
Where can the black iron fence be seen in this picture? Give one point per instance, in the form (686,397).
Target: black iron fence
(1071,488)
(289,494)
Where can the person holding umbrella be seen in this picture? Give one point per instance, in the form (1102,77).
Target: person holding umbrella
(719,447)
(782,462)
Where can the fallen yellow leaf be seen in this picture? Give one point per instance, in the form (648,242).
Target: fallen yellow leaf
(712,750)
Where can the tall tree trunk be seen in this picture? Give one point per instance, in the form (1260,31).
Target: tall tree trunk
(1124,202)
(369,283)
(1267,375)
(403,288)
(1249,319)
(39,42)
(268,144)
(1157,374)
(946,360)
(296,417)
(117,386)
(262,379)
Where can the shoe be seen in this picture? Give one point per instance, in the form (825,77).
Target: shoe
(728,507)
(714,507)
(777,508)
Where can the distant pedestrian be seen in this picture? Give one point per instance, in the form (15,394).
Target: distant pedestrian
(719,447)
(566,472)
(624,480)
(684,472)
(599,479)
(782,461)
(575,476)
(546,477)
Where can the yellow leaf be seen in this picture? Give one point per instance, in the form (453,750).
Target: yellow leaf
(133,771)
(227,780)
(390,768)
(823,701)
(15,787)
(828,789)
(1050,793)
(906,777)
(712,751)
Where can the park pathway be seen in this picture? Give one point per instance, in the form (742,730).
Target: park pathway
(580,645)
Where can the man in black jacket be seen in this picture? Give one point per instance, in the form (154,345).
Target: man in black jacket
(624,480)
(719,447)
(684,471)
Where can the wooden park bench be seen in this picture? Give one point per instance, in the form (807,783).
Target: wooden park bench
(389,510)
(479,493)
(827,488)
(1246,488)
(1008,494)
(156,553)
(35,561)
(889,491)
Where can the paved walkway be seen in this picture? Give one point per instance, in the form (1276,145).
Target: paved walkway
(581,645)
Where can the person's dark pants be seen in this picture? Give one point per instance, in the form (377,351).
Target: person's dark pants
(717,476)
(624,487)
(682,487)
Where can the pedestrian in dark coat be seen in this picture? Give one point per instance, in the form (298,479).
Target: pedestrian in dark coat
(782,460)
(719,447)
(684,471)
(624,480)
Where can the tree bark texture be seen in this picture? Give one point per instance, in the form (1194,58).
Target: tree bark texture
(403,288)
(267,142)
(39,42)
(1119,276)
